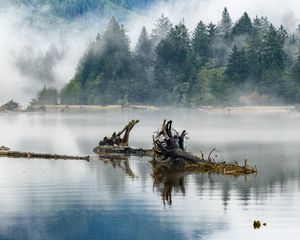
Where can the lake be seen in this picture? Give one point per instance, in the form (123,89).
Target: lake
(48,199)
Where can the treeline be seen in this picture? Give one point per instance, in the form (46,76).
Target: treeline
(75,8)
(250,61)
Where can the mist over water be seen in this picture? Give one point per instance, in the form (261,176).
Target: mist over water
(26,41)
(46,199)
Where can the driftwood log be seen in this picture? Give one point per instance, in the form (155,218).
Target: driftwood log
(116,139)
(17,154)
(118,144)
(170,152)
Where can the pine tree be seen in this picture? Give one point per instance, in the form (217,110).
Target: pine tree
(237,67)
(212,31)
(162,27)
(242,26)
(142,84)
(104,71)
(296,68)
(144,48)
(171,65)
(47,95)
(225,24)
(201,44)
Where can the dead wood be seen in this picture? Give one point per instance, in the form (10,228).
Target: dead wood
(169,149)
(118,144)
(116,139)
(17,154)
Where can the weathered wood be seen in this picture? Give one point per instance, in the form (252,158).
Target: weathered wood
(169,151)
(111,150)
(169,143)
(116,144)
(17,154)
(116,139)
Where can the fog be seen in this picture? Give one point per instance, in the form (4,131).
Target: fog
(33,54)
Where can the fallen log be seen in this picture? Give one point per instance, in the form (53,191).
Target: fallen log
(170,151)
(17,154)
(118,144)
(114,150)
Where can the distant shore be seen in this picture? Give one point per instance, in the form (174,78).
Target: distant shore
(71,108)
(212,109)
(252,109)
(239,109)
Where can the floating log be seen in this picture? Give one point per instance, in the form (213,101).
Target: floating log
(119,150)
(170,151)
(17,154)
(116,144)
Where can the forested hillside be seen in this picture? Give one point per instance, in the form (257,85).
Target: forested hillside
(249,61)
(70,9)
(222,63)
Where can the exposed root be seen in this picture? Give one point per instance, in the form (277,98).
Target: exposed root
(169,149)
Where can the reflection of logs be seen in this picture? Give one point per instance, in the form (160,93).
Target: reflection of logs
(169,150)
(166,180)
(119,162)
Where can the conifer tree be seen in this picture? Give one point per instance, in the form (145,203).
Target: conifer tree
(141,88)
(201,44)
(171,65)
(144,48)
(162,27)
(237,67)
(225,24)
(242,26)
(296,69)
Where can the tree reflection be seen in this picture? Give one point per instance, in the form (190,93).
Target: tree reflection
(165,180)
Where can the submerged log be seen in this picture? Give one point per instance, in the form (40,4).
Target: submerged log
(17,154)
(118,144)
(170,151)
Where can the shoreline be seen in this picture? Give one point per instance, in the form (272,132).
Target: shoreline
(206,109)
(236,109)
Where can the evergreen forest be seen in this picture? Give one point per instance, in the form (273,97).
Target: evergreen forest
(250,61)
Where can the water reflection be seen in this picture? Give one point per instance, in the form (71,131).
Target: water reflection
(124,198)
(120,162)
(168,180)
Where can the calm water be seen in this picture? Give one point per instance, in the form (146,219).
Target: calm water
(44,199)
